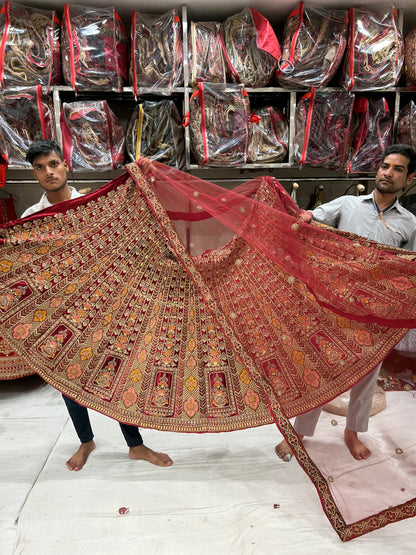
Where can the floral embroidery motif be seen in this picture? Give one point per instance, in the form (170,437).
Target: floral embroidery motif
(219,395)
(53,344)
(252,399)
(161,391)
(190,406)
(129,397)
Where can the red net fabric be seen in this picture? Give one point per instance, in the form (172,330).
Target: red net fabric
(165,301)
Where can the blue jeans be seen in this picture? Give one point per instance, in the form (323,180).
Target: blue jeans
(81,420)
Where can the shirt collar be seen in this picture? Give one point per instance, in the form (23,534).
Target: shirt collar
(395,206)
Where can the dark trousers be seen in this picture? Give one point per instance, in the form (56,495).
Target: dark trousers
(81,420)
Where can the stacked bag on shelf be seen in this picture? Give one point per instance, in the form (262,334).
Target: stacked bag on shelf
(243,51)
(406,126)
(29,48)
(250,48)
(375,52)
(339,130)
(205,54)
(94,48)
(92,137)
(156,51)
(155,131)
(314,42)
(323,121)
(225,132)
(26,115)
(371,133)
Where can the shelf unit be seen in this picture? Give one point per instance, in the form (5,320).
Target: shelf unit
(287,171)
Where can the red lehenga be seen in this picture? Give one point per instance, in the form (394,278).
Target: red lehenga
(165,301)
(12,365)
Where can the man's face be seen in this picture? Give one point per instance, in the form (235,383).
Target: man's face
(50,171)
(393,174)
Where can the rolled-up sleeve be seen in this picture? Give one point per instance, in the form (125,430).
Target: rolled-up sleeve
(329,212)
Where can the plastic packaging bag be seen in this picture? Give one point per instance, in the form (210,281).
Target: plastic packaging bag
(251,48)
(375,51)
(371,134)
(406,125)
(157,51)
(155,131)
(92,136)
(206,60)
(25,116)
(410,57)
(314,44)
(269,136)
(322,128)
(7,214)
(94,48)
(29,48)
(219,124)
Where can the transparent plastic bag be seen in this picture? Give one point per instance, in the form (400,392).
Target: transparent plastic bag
(251,48)
(157,51)
(313,46)
(30,48)
(25,116)
(375,51)
(410,57)
(206,60)
(322,128)
(406,125)
(155,131)
(219,124)
(94,48)
(269,135)
(92,136)
(371,134)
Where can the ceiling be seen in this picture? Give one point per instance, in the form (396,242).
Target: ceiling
(275,11)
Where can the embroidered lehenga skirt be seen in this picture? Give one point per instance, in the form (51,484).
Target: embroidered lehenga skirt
(164,301)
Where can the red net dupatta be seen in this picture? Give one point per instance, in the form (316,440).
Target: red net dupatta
(164,301)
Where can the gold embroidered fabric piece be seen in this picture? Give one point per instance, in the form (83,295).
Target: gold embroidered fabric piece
(104,297)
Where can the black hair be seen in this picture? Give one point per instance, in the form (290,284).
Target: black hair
(405,150)
(42,147)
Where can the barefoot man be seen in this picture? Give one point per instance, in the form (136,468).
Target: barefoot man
(381,218)
(51,171)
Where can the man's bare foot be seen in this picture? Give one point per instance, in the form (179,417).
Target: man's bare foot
(357,448)
(77,461)
(283,451)
(141,452)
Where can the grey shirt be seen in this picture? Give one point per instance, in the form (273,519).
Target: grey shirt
(360,215)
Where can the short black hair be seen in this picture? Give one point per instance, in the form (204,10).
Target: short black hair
(405,150)
(42,147)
